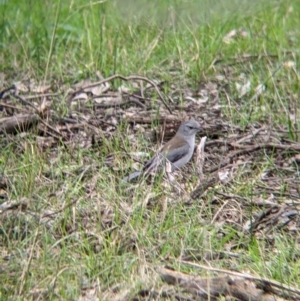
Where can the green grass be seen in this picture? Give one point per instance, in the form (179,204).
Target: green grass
(99,235)
(115,37)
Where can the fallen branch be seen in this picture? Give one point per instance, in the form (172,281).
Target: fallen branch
(18,123)
(200,157)
(24,101)
(2,93)
(264,282)
(212,288)
(204,185)
(131,77)
(250,148)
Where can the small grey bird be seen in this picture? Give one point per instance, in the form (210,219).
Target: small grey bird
(178,151)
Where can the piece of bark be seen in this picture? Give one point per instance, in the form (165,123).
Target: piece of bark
(212,288)
(18,123)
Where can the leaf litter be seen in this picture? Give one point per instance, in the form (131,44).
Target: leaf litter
(257,153)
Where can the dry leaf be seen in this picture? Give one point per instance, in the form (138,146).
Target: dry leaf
(80,96)
(223,175)
(289,64)
(21,87)
(243,89)
(99,90)
(39,88)
(229,37)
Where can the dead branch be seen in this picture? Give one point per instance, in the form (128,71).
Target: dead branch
(263,281)
(250,148)
(211,288)
(42,95)
(200,157)
(24,101)
(210,181)
(18,123)
(2,93)
(131,77)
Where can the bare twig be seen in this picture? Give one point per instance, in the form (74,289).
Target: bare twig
(2,93)
(250,148)
(245,276)
(52,129)
(60,210)
(42,95)
(131,77)
(4,105)
(200,157)
(24,101)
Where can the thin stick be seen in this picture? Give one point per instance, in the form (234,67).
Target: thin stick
(128,78)
(246,276)
(200,157)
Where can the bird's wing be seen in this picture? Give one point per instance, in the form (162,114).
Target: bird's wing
(175,155)
(169,152)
